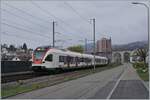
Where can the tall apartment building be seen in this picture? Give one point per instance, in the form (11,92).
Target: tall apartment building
(104,48)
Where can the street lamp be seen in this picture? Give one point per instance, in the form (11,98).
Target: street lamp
(139,3)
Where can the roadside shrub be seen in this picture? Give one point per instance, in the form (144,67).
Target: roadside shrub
(139,65)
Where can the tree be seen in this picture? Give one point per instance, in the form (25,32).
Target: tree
(24,47)
(77,48)
(142,53)
(4,46)
(12,48)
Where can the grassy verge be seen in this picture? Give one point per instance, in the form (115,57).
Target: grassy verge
(143,75)
(21,88)
(142,71)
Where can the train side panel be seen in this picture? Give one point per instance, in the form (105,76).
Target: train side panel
(55,58)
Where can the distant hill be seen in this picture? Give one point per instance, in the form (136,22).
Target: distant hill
(121,47)
(130,46)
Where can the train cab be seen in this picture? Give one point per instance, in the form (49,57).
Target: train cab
(38,57)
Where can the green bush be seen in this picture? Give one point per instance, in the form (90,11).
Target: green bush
(139,65)
(142,70)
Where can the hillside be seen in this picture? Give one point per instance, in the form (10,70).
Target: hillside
(130,46)
(120,47)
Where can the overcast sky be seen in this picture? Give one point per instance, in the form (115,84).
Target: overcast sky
(31,21)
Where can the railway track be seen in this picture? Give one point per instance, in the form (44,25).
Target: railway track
(16,76)
(57,74)
(10,77)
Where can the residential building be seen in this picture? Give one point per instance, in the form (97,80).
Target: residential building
(104,48)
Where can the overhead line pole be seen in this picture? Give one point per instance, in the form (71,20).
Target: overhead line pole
(85,45)
(35,4)
(93,20)
(53,34)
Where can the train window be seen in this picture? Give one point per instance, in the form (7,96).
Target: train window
(100,60)
(68,58)
(82,59)
(39,54)
(49,57)
(90,60)
(61,58)
(76,59)
(71,60)
(65,59)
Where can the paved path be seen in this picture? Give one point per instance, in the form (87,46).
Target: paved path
(130,86)
(100,85)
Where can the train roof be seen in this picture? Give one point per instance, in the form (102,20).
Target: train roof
(46,46)
(67,52)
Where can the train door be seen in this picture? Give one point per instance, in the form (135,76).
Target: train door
(48,63)
(62,61)
(56,60)
(68,61)
(76,61)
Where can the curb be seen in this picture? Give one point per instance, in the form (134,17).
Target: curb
(145,85)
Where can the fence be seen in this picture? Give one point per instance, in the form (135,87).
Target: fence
(15,66)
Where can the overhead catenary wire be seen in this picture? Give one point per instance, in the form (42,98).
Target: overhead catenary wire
(50,14)
(77,12)
(25,19)
(31,28)
(38,18)
(68,32)
(14,23)
(25,26)
(31,16)
(20,10)
(24,12)
(12,26)
(74,10)
(22,37)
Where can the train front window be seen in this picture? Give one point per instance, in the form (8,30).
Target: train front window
(39,55)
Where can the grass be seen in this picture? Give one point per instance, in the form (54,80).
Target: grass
(142,71)
(143,75)
(14,90)
(10,91)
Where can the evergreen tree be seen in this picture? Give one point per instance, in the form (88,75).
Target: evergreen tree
(12,48)
(25,47)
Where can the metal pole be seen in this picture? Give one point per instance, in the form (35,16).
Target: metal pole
(53,34)
(85,46)
(94,40)
(147,18)
(148,30)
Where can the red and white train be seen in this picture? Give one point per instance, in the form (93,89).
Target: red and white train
(51,58)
